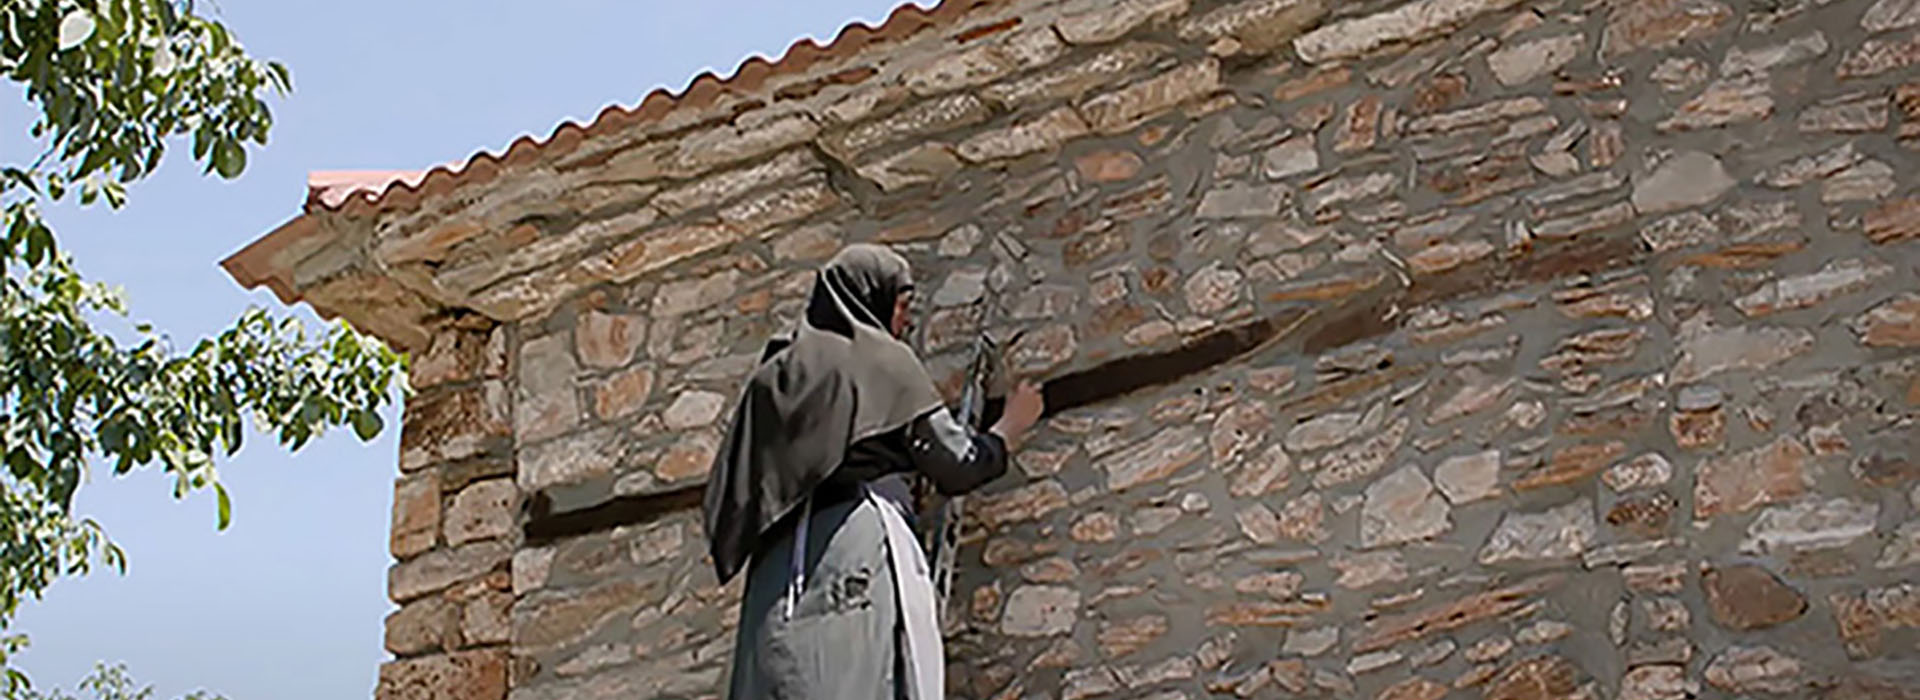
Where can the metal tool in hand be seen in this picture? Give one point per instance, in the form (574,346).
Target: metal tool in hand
(943,546)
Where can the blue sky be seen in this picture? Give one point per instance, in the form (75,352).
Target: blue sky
(288,603)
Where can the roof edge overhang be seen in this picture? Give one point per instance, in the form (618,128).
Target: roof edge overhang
(342,205)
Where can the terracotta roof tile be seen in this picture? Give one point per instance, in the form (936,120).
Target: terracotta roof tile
(376,190)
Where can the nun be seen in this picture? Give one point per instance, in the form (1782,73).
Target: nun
(811,489)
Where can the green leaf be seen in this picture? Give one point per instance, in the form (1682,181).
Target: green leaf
(229,158)
(366,424)
(226,505)
(39,245)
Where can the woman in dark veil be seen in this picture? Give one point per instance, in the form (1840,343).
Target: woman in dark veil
(810,493)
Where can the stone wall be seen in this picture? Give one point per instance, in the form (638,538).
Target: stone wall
(1596,376)
(455,523)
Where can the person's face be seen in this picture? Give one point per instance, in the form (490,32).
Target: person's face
(900,322)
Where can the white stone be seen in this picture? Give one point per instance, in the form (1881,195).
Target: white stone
(1408,22)
(1042,133)
(1478,115)
(1658,682)
(1679,73)
(1321,432)
(1469,478)
(961,287)
(1239,201)
(1123,109)
(545,404)
(1808,168)
(1543,632)
(1368,663)
(1645,471)
(1705,350)
(571,459)
(1250,25)
(1360,459)
(1150,521)
(1432,654)
(1625,552)
(1488,649)
(1291,157)
(1213,288)
(1685,180)
(482,510)
(1810,524)
(1040,611)
(693,409)
(1888,15)
(1352,188)
(1526,415)
(1838,277)
(1520,63)
(1755,669)
(1865,181)
(961,241)
(1903,548)
(687,296)
(1402,507)
(530,569)
(1761,60)
(1282,236)
(1087,683)
(1363,569)
(1107,21)
(1557,533)
(1312,641)
(441,568)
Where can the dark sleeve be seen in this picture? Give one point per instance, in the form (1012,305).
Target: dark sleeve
(957,458)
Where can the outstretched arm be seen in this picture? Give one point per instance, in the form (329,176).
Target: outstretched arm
(958,458)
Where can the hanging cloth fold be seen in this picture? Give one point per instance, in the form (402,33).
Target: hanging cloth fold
(921,647)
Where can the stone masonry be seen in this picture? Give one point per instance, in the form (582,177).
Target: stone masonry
(1598,373)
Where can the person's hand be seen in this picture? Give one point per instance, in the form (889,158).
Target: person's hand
(1023,410)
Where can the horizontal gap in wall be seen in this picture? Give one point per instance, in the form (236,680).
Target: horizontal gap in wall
(543,526)
(1116,378)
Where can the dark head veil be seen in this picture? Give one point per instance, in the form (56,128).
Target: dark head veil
(838,378)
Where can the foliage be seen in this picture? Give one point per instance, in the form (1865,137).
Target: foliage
(114,81)
(108,683)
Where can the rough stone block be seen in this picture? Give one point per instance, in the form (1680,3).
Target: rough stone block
(458,355)
(425,625)
(416,515)
(483,510)
(1127,107)
(1252,26)
(1043,133)
(1521,63)
(453,423)
(479,674)
(1636,25)
(1405,23)
(1103,22)
(440,568)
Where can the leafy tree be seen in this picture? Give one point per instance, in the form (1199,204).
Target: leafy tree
(115,82)
(110,683)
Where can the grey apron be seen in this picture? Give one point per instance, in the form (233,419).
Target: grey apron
(850,617)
